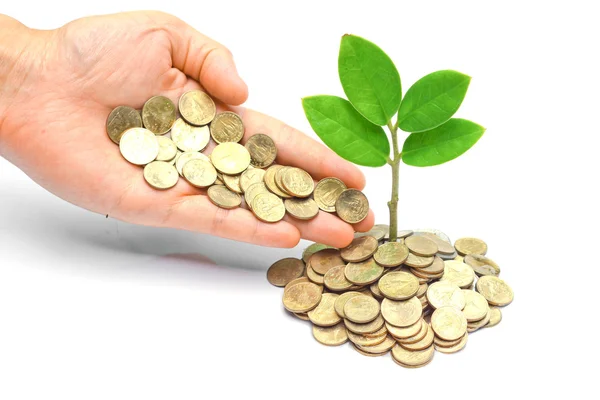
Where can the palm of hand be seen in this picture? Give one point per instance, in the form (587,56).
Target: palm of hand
(110,62)
(95,64)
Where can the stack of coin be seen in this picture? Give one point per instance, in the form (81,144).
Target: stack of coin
(169,140)
(401,297)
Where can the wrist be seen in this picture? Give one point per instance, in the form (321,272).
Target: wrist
(17,61)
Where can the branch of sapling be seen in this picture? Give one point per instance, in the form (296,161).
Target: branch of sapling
(353,128)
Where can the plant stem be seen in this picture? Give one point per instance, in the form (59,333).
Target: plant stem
(395,164)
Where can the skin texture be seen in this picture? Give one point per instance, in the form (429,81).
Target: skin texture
(58,87)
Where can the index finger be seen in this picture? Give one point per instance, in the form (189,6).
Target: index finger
(294,148)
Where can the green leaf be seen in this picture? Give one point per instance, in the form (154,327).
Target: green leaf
(432,100)
(370,79)
(442,144)
(345,131)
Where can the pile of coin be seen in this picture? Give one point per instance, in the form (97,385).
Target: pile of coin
(168,141)
(410,297)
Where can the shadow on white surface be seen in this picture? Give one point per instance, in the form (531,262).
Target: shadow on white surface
(44,232)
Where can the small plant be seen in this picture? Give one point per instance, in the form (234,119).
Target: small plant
(353,128)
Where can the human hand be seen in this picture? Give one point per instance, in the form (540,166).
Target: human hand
(59,90)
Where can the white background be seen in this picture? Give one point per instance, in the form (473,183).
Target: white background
(92,308)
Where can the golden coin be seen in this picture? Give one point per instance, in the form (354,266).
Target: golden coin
(293,282)
(495,317)
(199,173)
(405,333)
(188,137)
(197,108)
(159,114)
(495,290)
(334,279)
(323,260)
(442,294)
(453,349)
(304,209)
(139,146)
(418,261)
(411,366)
(422,290)
(188,156)
(374,289)
(422,281)
(302,297)
(378,231)
(362,329)
(120,120)
(412,358)
(425,342)
(227,127)
(313,276)
(298,182)
(253,191)
(364,353)
(302,316)
(352,206)
(160,175)
(268,208)
(270,181)
(363,340)
(458,273)
(174,160)
(324,314)
(398,285)
(230,158)
(421,276)
(223,197)
(262,150)
(360,249)
(364,272)
(436,267)
(421,245)
(446,343)
(380,348)
(330,336)
(401,313)
(312,249)
(250,177)
(444,247)
(391,254)
(327,192)
(448,323)
(284,271)
(167,151)
(233,183)
(377,333)
(361,310)
(278,180)
(475,325)
(466,246)
(482,265)
(340,302)
(476,306)
(417,337)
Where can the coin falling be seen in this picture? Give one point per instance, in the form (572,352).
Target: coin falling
(390,297)
(246,171)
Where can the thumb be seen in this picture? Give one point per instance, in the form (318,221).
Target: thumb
(208,62)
